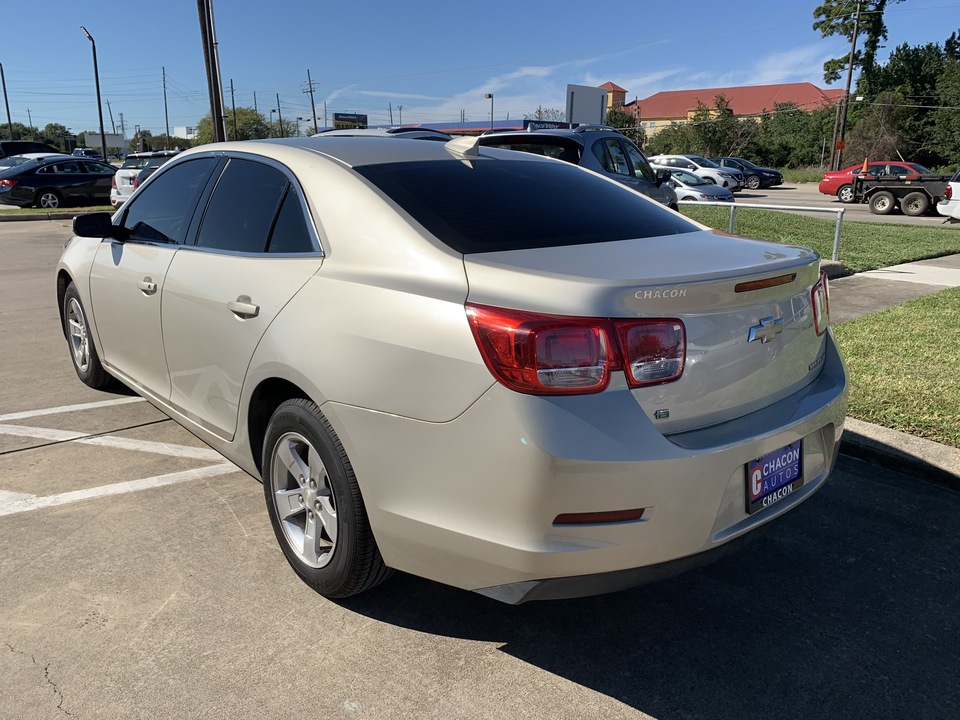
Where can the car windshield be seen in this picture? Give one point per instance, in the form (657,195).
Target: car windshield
(14,160)
(687,178)
(702,161)
(493,205)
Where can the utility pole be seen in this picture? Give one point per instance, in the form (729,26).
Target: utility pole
(846,94)
(30,120)
(233,104)
(3,80)
(313,106)
(255,102)
(212,63)
(166,114)
(400,108)
(390,105)
(279,116)
(123,129)
(112,123)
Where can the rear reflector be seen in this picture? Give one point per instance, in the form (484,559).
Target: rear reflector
(763,284)
(599,518)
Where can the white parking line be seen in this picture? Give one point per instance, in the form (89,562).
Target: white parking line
(19,505)
(120,443)
(12,503)
(68,408)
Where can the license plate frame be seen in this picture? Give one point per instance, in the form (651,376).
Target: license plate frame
(773,477)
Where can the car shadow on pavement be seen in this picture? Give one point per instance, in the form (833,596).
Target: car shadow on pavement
(846,608)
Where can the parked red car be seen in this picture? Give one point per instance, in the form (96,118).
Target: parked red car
(840,182)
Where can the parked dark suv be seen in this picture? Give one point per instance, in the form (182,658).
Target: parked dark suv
(597,147)
(19,147)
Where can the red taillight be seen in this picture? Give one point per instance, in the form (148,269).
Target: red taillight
(820,299)
(135,182)
(653,350)
(7,183)
(113,182)
(542,354)
(948,192)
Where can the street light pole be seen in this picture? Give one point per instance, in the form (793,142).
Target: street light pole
(3,79)
(96,79)
(489,96)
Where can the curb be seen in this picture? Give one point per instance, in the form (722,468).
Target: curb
(907,454)
(12,217)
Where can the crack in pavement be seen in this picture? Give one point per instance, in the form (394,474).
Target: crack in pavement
(46,676)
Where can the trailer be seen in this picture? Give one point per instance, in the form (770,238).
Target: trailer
(913,194)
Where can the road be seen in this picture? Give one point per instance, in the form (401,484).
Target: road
(141,579)
(807,195)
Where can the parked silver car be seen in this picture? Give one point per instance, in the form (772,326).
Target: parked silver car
(693,187)
(127,178)
(549,398)
(728,177)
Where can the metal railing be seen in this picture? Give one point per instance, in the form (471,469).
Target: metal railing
(795,208)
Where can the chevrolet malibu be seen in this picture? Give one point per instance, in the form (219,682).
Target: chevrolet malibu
(496,370)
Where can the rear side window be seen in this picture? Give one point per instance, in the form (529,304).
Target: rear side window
(492,205)
(241,212)
(290,233)
(162,212)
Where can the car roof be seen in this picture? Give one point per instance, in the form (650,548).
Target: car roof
(578,132)
(406,132)
(357,151)
(152,153)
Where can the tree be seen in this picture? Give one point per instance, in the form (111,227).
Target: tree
(627,124)
(836,17)
(250,125)
(55,134)
(546,115)
(944,138)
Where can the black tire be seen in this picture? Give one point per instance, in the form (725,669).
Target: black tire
(48,198)
(882,203)
(323,498)
(914,204)
(82,350)
(753,182)
(845,193)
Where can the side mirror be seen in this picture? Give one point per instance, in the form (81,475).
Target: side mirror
(93,225)
(663,175)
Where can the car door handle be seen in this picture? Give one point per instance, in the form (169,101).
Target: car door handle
(243,308)
(147,286)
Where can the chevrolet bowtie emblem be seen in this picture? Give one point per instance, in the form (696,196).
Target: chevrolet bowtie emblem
(767,330)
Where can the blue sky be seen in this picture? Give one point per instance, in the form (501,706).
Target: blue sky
(435,60)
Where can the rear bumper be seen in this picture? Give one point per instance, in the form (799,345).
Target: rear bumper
(472,502)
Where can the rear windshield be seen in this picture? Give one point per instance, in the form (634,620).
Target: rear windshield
(551,146)
(492,205)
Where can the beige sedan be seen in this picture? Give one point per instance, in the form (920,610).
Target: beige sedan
(495,370)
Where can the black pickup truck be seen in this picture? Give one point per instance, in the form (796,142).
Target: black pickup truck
(913,194)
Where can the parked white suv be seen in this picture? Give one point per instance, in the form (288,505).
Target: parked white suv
(727,177)
(125,180)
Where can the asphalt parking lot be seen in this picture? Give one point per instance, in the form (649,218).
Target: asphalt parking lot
(141,579)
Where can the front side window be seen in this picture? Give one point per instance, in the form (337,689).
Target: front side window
(641,168)
(241,212)
(162,212)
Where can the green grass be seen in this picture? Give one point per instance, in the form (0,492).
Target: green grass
(863,245)
(904,367)
(802,175)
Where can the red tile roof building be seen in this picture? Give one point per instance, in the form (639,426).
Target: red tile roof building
(673,107)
